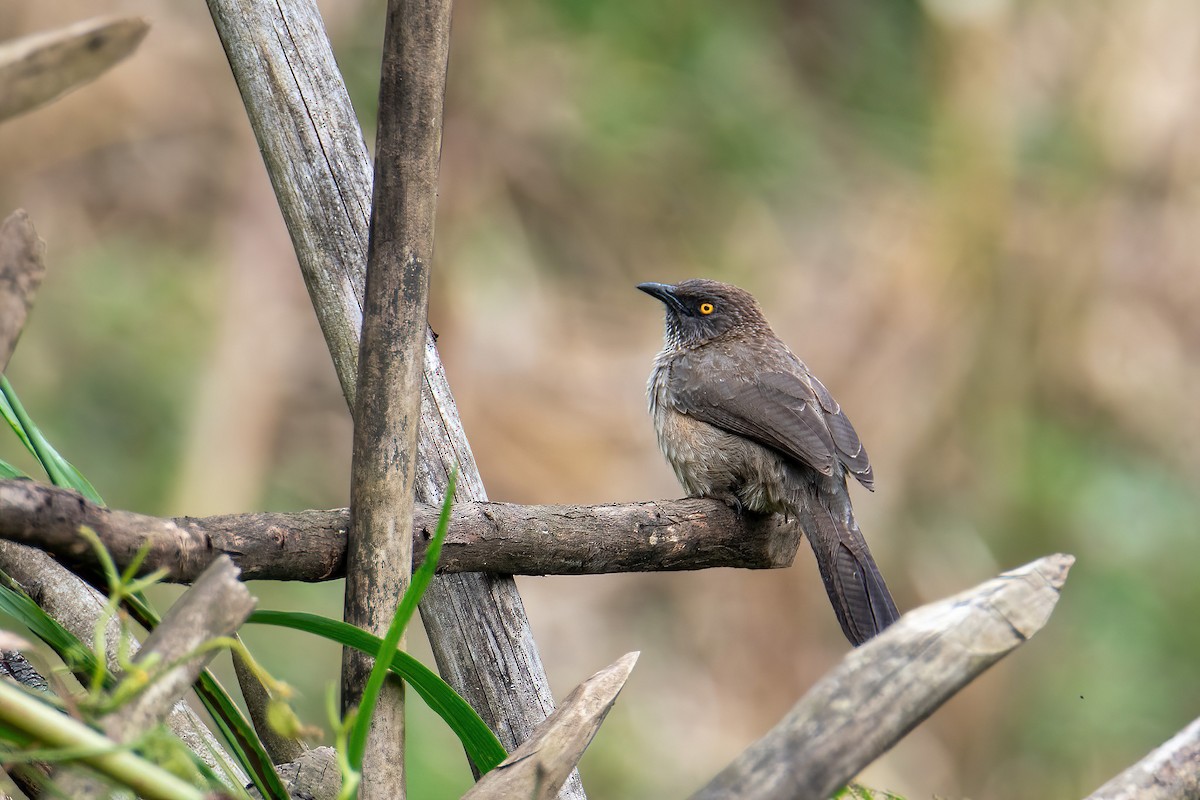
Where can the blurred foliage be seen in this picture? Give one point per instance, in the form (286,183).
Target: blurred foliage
(975,221)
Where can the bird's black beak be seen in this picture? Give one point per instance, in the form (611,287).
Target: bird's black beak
(664,292)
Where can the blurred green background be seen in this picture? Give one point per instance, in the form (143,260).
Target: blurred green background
(975,220)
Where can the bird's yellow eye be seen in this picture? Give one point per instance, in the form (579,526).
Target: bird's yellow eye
(706,308)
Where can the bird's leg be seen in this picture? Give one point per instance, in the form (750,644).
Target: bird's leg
(729,497)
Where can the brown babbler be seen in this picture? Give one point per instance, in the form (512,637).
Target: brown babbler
(742,420)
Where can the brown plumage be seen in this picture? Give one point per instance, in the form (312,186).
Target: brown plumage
(740,418)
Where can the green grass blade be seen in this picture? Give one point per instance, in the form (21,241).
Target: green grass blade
(78,658)
(10,416)
(482,746)
(82,662)
(238,733)
(240,736)
(60,471)
(7,470)
(404,611)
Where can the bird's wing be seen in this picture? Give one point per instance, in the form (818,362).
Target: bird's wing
(789,411)
(850,450)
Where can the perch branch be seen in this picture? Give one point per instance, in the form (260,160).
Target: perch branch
(538,768)
(22,264)
(883,689)
(502,537)
(1171,772)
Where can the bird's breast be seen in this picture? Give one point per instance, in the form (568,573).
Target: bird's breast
(712,462)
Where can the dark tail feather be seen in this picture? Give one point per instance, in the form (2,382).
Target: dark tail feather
(860,598)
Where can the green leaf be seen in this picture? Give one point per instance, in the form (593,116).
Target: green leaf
(60,471)
(239,734)
(18,605)
(482,746)
(233,726)
(404,611)
(83,663)
(7,470)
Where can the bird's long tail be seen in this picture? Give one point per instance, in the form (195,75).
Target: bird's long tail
(860,598)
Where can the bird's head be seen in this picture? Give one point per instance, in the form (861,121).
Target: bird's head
(699,311)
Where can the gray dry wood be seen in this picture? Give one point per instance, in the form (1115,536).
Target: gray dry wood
(412,88)
(22,265)
(318,163)
(314,775)
(884,688)
(37,68)
(1170,772)
(280,747)
(77,607)
(215,606)
(538,768)
(501,537)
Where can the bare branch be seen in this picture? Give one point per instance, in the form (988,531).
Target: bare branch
(538,768)
(22,264)
(314,152)
(77,607)
(216,605)
(36,69)
(412,88)
(884,688)
(1171,772)
(310,545)
(314,774)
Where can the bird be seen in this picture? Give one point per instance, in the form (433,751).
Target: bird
(742,420)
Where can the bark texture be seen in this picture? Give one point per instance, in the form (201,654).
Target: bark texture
(886,687)
(318,162)
(483,537)
(22,265)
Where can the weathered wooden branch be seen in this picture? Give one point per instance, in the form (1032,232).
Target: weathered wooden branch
(502,537)
(318,163)
(408,146)
(1170,772)
(37,68)
(314,775)
(281,748)
(538,768)
(77,607)
(22,265)
(216,605)
(884,688)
